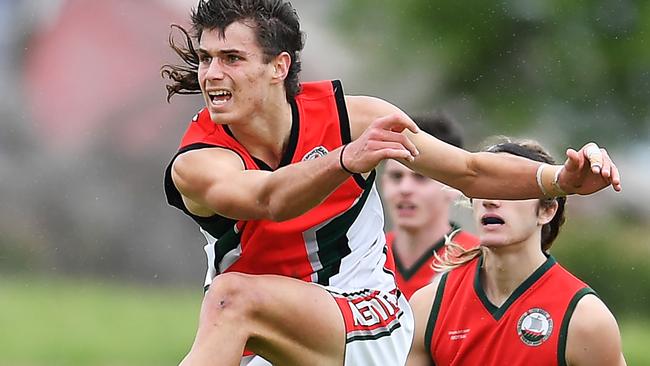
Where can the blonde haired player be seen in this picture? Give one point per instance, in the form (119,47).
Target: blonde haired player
(509,301)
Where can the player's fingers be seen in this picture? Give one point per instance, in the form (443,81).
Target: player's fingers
(399,153)
(616,178)
(606,169)
(396,122)
(594,154)
(402,139)
(385,145)
(405,142)
(574,161)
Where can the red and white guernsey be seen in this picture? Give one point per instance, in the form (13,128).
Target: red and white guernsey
(530,328)
(420,274)
(340,243)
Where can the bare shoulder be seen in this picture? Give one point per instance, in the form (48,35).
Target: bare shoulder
(196,165)
(362,110)
(422,300)
(195,172)
(593,336)
(421,303)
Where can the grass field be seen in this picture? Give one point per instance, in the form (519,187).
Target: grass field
(67,323)
(57,323)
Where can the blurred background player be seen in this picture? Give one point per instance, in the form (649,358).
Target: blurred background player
(419,210)
(508,301)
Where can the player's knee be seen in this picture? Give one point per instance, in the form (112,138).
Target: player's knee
(231,295)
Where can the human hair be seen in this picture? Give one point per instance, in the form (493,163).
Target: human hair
(277,30)
(441,126)
(456,255)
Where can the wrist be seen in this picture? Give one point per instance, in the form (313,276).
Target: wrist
(341,164)
(547,177)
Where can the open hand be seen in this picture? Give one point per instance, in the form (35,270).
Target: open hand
(383,139)
(589,170)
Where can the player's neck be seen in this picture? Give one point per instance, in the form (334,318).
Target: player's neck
(505,268)
(410,245)
(266,133)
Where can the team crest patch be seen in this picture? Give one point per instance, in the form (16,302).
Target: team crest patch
(316,152)
(535,326)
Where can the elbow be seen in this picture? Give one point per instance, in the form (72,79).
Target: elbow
(469,183)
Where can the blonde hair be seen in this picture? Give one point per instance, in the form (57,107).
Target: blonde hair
(454,255)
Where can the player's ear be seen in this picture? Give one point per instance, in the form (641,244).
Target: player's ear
(546,211)
(281,64)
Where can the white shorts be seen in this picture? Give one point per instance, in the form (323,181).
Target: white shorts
(254,361)
(378,325)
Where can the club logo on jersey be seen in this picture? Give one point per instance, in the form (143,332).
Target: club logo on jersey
(535,326)
(316,152)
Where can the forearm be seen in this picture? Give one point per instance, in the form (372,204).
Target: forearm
(296,188)
(485,175)
(505,176)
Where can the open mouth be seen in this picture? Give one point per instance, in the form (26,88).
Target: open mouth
(492,220)
(408,206)
(405,208)
(219,97)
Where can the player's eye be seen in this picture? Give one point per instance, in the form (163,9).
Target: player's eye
(205,59)
(420,178)
(395,176)
(233,58)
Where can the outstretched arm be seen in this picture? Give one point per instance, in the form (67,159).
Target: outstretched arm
(215,181)
(483,174)
(593,336)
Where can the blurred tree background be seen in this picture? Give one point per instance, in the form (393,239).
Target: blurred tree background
(96,269)
(578,70)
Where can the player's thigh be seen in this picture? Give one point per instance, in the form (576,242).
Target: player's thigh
(293,322)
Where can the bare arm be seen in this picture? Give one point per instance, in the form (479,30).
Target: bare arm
(215,181)
(593,336)
(479,175)
(421,303)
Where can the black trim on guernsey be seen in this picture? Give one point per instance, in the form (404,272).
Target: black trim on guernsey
(496,311)
(332,240)
(564,329)
(215,225)
(433,316)
(386,270)
(426,257)
(384,333)
(344,122)
(287,157)
(227,242)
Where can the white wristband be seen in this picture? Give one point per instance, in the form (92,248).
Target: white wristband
(540,169)
(556,185)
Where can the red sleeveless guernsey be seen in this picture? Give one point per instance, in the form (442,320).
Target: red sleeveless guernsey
(338,243)
(420,274)
(530,328)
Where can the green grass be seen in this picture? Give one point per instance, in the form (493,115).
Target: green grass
(636,338)
(57,322)
(65,322)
